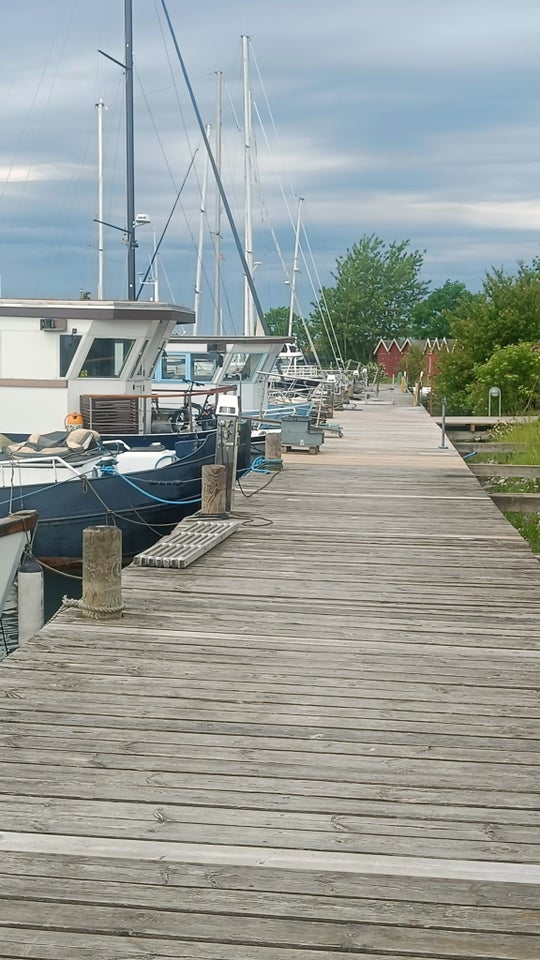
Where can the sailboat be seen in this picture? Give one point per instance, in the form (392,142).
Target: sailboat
(82,379)
(15,534)
(84,443)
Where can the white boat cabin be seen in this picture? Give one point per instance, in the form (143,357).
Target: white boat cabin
(244,362)
(91,360)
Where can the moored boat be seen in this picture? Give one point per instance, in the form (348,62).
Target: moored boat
(86,365)
(16,530)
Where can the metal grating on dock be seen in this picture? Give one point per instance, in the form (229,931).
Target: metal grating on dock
(189,541)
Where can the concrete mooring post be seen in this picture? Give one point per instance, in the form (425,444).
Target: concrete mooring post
(102,573)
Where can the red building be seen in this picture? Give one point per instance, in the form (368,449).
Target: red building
(391,355)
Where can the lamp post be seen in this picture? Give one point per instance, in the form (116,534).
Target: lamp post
(494,393)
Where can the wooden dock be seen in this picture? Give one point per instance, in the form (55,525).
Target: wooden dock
(318,741)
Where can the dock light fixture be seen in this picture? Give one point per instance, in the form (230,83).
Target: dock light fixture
(493,394)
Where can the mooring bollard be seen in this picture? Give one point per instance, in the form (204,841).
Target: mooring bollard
(443,425)
(272,450)
(102,573)
(214,490)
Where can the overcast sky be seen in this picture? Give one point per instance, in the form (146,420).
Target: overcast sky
(410,119)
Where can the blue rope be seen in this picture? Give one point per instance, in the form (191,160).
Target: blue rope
(258,465)
(157,499)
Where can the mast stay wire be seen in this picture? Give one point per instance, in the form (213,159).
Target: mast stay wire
(327,322)
(165,228)
(161,8)
(177,189)
(192,152)
(226,205)
(40,83)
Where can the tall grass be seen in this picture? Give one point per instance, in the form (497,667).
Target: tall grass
(528,436)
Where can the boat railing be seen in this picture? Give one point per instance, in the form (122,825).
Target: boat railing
(53,462)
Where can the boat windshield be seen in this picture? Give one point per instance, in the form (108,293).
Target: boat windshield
(190,367)
(106,357)
(68,348)
(243,366)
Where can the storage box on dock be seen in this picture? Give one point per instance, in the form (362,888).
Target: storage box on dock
(299,432)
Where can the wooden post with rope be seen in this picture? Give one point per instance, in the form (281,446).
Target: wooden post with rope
(214,490)
(272,449)
(102,573)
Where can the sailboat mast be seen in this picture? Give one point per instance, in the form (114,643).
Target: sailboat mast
(295,265)
(223,195)
(248,226)
(200,245)
(100,107)
(130,151)
(217,222)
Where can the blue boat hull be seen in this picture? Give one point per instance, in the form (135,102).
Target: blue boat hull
(144,505)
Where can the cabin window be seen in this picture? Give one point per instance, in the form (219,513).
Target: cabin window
(173,366)
(243,366)
(106,358)
(203,368)
(68,348)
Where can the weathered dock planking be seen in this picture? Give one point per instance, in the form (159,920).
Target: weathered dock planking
(320,740)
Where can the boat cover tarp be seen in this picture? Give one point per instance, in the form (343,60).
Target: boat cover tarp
(59,443)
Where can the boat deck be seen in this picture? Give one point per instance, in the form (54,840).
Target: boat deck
(320,740)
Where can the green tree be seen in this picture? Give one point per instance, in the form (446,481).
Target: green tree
(277,322)
(515,369)
(505,312)
(377,286)
(413,363)
(431,317)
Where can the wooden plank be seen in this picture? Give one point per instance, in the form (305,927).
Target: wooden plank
(524,471)
(212,899)
(517,502)
(187,874)
(483,446)
(291,933)
(66,946)
(322,739)
(481,421)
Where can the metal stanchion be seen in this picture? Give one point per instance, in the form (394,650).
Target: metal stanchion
(227,439)
(442,445)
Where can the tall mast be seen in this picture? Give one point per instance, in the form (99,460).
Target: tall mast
(295,265)
(100,107)
(248,227)
(130,163)
(223,195)
(155,269)
(217,223)
(200,245)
